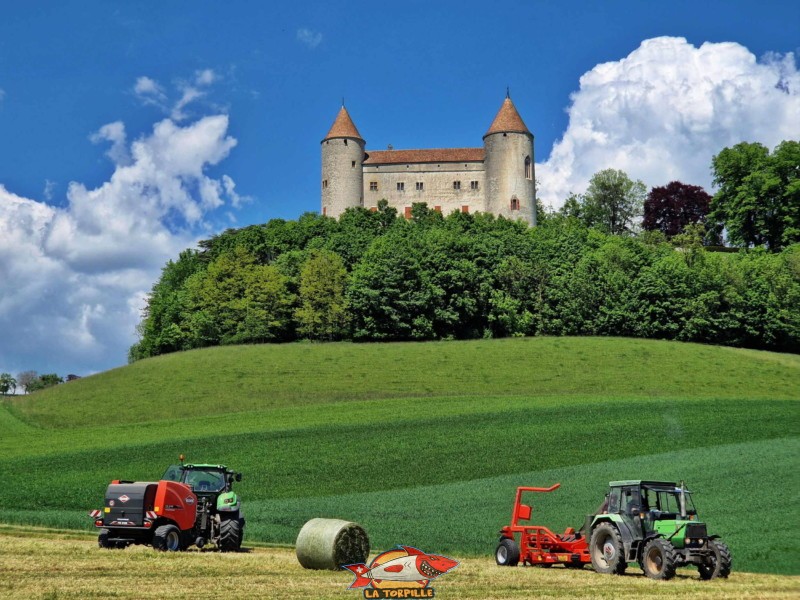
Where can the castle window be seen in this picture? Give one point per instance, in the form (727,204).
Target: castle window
(420,186)
(456,185)
(514,204)
(324,184)
(528,169)
(345,142)
(353,164)
(473,185)
(373,186)
(401,186)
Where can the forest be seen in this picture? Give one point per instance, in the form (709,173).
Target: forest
(373,276)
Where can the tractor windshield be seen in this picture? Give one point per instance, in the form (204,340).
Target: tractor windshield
(200,480)
(667,500)
(205,481)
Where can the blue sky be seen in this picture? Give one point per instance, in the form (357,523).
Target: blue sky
(130,130)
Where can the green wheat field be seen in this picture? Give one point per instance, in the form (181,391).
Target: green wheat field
(424,444)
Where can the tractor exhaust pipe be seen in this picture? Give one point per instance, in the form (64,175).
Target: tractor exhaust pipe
(683,499)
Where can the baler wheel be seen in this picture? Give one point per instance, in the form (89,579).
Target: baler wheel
(102,539)
(720,565)
(507,553)
(230,535)
(658,560)
(607,550)
(167,538)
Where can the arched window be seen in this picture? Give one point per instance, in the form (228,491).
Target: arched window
(528,169)
(514,203)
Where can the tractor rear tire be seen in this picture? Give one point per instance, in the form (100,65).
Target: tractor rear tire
(507,553)
(102,539)
(658,560)
(607,550)
(167,538)
(720,565)
(230,535)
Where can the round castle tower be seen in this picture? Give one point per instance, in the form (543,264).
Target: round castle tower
(342,166)
(510,189)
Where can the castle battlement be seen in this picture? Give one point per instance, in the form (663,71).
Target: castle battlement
(497,178)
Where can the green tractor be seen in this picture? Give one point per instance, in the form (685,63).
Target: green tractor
(219,510)
(654,524)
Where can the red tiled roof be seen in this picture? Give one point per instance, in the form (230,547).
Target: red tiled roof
(507,120)
(343,126)
(432,155)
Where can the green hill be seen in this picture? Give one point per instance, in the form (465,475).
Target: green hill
(424,443)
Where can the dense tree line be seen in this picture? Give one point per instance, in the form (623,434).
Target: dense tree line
(373,276)
(613,261)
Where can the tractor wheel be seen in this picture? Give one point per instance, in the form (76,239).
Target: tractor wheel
(230,535)
(607,551)
(102,539)
(167,538)
(658,560)
(720,564)
(507,553)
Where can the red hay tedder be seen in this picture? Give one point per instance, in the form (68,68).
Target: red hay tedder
(538,545)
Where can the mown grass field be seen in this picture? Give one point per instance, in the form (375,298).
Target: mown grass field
(53,566)
(424,444)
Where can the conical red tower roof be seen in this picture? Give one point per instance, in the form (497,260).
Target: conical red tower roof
(507,120)
(343,127)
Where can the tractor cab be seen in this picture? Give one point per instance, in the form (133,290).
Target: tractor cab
(655,507)
(205,480)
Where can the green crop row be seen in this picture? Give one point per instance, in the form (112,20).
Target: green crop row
(323,460)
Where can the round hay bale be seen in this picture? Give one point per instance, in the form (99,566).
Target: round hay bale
(331,543)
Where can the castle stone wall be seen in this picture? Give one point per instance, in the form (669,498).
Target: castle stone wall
(437,182)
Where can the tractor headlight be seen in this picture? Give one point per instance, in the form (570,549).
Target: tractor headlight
(228,500)
(688,541)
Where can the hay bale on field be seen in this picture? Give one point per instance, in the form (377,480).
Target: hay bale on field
(331,543)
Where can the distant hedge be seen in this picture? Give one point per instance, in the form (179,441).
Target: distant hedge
(373,276)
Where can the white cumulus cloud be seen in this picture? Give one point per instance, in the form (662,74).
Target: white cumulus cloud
(666,109)
(74,279)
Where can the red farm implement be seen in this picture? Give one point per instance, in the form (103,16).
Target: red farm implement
(536,544)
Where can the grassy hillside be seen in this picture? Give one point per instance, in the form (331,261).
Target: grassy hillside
(424,444)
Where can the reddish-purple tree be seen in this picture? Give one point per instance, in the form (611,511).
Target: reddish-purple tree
(670,208)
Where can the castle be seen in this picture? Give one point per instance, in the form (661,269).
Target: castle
(497,178)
